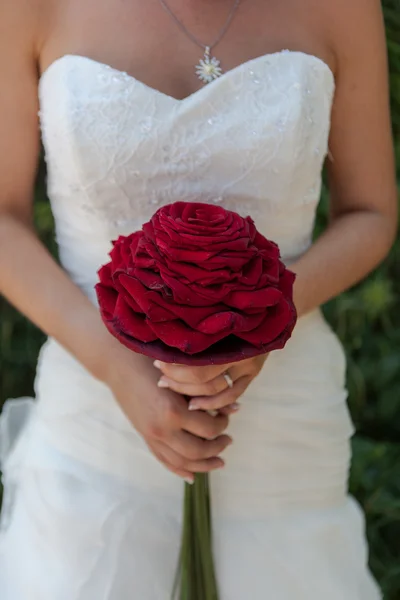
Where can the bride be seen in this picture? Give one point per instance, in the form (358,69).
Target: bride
(141,104)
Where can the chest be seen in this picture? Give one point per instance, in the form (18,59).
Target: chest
(163,50)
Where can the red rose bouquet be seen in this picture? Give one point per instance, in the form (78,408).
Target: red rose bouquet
(197,285)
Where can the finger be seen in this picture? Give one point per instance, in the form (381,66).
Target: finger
(187,374)
(211,388)
(174,416)
(157,450)
(196,449)
(185,465)
(230,410)
(225,398)
(203,425)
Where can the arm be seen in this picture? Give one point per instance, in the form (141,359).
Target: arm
(29,278)
(38,287)
(362,184)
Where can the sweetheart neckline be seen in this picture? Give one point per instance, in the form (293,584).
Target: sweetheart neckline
(271,55)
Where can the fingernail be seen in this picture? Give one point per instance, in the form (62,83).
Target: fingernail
(235,406)
(157,364)
(189,480)
(194,406)
(162,384)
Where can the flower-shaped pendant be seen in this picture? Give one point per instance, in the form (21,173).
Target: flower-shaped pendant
(208,68)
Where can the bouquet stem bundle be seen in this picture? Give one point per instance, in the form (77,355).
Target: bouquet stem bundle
(196,578)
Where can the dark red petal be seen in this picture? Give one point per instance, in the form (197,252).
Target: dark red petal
(129,299)
(252,272)
(194,274)
(116,257)
(261,242)
(123,252)
(147,255)
(194,315)
(254,298)
(195,224)
(233,260)
(229,322)
(270,274)
(132,323)
(206,212)
(214,293)
(184,294)
(107,299)
(275,322)
(186,255)
(134,242)
(148,230)
(286,282)
(150,302)
(150,280)
(179,335)
(105,275)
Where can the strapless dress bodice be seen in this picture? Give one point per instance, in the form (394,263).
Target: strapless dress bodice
(116,150)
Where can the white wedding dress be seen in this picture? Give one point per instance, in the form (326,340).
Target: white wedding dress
(89,513)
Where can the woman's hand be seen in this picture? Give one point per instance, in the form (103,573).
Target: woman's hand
(185,442)
(215,387)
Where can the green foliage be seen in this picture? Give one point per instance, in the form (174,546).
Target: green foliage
(367,319)
(19,339)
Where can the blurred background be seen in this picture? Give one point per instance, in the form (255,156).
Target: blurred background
(367,319)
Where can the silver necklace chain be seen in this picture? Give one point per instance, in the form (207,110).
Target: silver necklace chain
(208,68)
(191,36)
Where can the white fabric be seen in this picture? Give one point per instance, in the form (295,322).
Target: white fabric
(89,513)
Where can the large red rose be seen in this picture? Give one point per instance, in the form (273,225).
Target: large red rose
(198,284)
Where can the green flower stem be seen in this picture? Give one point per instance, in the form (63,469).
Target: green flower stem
(197,572)
(185,565)
(196,575)
(204,536)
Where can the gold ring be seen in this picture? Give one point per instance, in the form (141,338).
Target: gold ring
(228,379)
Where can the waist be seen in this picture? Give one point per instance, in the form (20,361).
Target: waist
(312,356)
(294,421)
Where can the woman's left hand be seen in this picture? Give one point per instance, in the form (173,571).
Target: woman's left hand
(214,387)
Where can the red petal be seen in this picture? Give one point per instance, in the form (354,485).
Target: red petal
(131,323)
(105,275)
(254,298)
(286,282)
(179,335)
(151,303)
(107,299)
(229,322)
(276,321)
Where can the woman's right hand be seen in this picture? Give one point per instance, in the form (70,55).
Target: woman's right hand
(186,442)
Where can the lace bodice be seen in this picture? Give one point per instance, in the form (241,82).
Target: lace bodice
(116,150)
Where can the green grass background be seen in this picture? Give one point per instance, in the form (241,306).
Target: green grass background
(367,320)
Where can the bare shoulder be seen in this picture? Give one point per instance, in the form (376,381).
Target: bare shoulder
(357,16)
(362,169)
(356,30)
(22,27)
(20,38)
